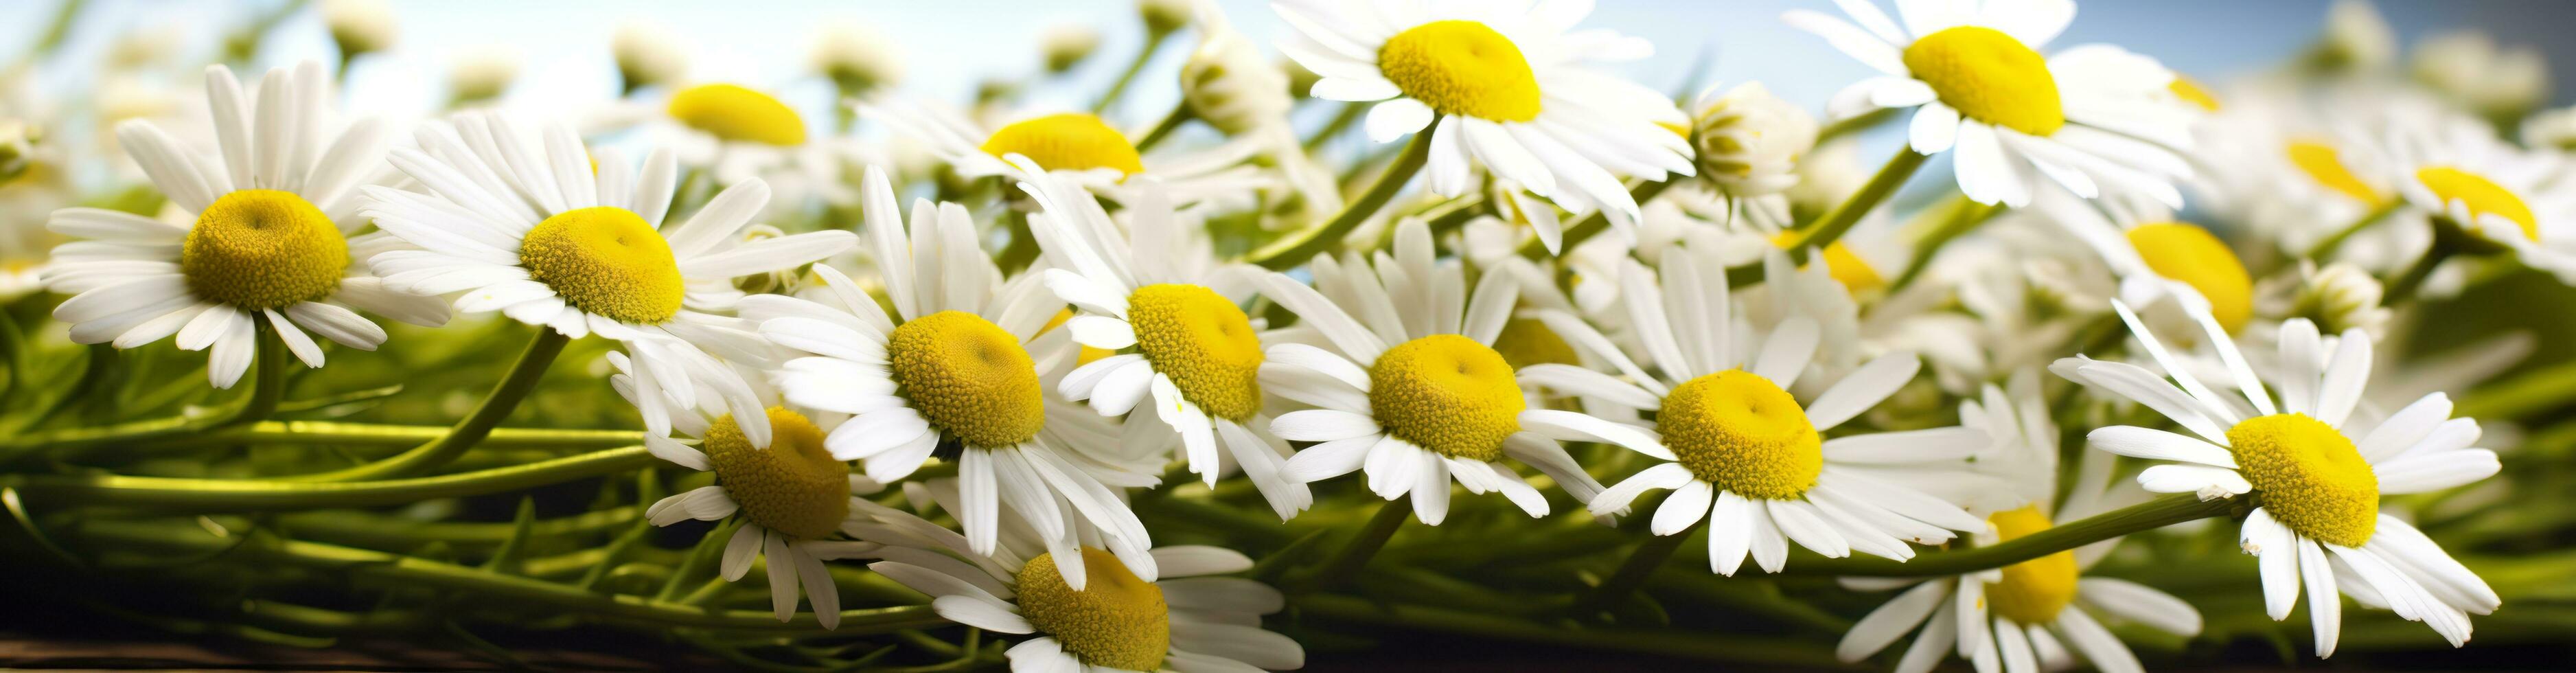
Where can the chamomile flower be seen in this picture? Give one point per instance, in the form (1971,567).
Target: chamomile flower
(2485,196)
(1085,609)
(794,497)
(1742,451)
(2294,174)
(1412,389)
(963,365)
(2021,617)
(274,214)
(1084,147)
(2155,255)
(1196,354)
(533,232)
(2318,477)
(2090,118)
(1513,89)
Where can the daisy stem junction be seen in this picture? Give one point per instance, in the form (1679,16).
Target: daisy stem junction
(476,425)
(2149,515)
(1299,247)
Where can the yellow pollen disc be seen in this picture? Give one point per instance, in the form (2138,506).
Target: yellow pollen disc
(1088,354)
(1116,621)
(1069,141)
(1462,68)
(263,249)
(1743,434)
(1989,77)
(1845,266)
(734,113)
(2033,591)
(2190,254)
(1204,343)
(1448,394)
(2309,475)
(793,487)
(2191,92)
(2484,197)
(606,261)
(1526,342)
(2324,164)
(969,378)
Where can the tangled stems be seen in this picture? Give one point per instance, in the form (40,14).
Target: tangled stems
(1361,547)
(475,426)
(1641,564)
(1297,248)
(268,388)
(2149,515)
(237,495)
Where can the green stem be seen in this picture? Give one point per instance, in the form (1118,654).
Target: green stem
(1965,218)
(1641,564)
(268,388)
(261,494)
(2327,247)
(1854,124)
(1023,248)
(2408,283)
(1297,248)
(1180,115)
(1593,225)
(1341,121)
(1839,221)
(516,593)
(477,424)
(1362,545)
(1153,43)
(2149,515)
(2527,393)
(384,434)
(1760,650)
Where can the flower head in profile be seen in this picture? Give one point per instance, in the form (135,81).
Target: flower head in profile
(2482,195)
(269,247)
(2318,475)
(1093,152)
(533,231)
(1513,89)
(2093,118)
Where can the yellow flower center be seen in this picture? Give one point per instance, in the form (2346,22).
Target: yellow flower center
(606,261)
(2189,254)
(1069,141)
(1116,621)
(2191,92)
(263,249)
(2484,197)
(1462,68)
(734,113)
(1743,434)
(1526,342)
(1446,393)
(1204,343)
(2309,476)
(967,377)
(2324,164)
(793,487)
(1086,354)
(2034,591)
(1989,77)
(1845,266)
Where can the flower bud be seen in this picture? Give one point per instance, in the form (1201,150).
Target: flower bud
(482,74)
(1228,83)
(647,55)
(2338,297)
(359,26)
(856,57)
(1748,141)
(1163,16)
(1066,46)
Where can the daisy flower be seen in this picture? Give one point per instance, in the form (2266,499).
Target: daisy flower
(2483,195)
(274,213)
(1742,451)
(535,232)
(1086,148)
(2093,118)
(2317,476)
(1512,88)
(2155,255)
(2021,617)
(793,495)
(1412,389)
(1195,352)
(963,365)
(1087,610)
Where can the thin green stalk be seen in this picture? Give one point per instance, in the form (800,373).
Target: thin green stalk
(2149,515)
(2328,246)
(477,424)
(495,589)
(1180,115)
(268,388)
(1834,223)
(1297,248)
(1598,221)
(1965,218)
(1853,124)
(1641,564)
(231,495)
(339,433)
(1153,43)
(2408,283)
(1341,121)
(2530,392)
(1759,650)
(1362,545)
